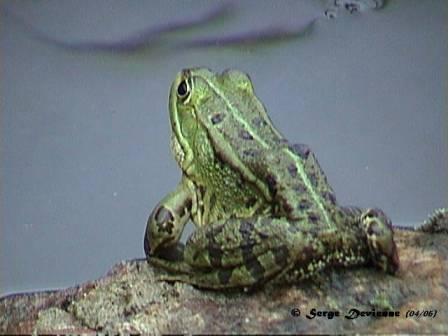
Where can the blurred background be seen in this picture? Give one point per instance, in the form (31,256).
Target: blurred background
(84,149)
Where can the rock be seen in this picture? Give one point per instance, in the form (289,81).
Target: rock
(130,299)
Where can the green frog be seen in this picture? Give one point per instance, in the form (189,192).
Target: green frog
(262,206)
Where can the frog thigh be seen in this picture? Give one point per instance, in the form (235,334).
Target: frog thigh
(248,252)
(239,252)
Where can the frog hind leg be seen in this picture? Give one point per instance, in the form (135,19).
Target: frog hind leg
(237,253)
(378,229)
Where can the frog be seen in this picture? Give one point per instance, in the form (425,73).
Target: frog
(261,205)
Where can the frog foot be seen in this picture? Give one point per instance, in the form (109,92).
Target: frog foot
(378,229)
(436,223)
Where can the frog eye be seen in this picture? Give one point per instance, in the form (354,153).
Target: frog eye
(183,90)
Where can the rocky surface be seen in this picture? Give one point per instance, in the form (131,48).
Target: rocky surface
(130,299)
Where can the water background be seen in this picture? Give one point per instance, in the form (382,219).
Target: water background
(85,137)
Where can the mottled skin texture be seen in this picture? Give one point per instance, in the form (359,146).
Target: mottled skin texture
(263,208)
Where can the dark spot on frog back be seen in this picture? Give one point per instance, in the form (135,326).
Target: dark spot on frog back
(313,217)
(304,204)
(245,135)
(301,150)
(292,169)
(217,117)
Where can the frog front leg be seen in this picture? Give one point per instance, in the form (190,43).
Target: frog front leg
(378,229)
(167,221)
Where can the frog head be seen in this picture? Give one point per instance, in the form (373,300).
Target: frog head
(187,96)
(199,99)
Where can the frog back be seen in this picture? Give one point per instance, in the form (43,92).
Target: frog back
(287,174)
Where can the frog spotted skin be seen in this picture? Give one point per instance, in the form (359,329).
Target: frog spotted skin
(262,206)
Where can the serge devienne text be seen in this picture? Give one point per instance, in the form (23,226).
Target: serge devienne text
(351,314)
